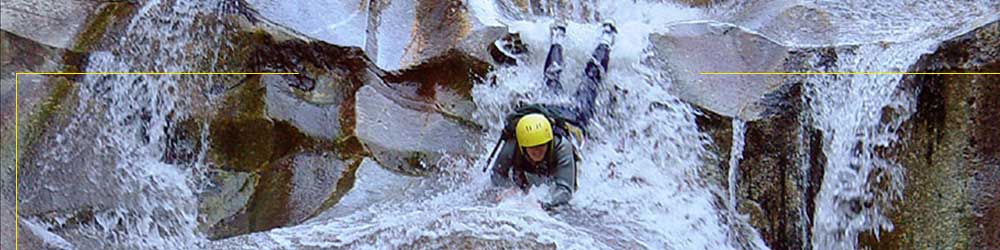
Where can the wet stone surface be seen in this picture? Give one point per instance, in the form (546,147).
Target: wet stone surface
(951,161)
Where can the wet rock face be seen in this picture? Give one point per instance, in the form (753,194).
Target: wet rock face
(381,122)
(20,54)
(69,31)
(282,128)
(729,95)
(782,161)
(318,116)
(782,165)
(344,19)
(320,65)
(950,149)
(23,48)
(264,132)
(475,242)
(720,129)
(314,180)
(364,184)
(243,138)
(33,236)
(294,189)
(373,185)
(770,175)
(53,23)
(274,116)
(440,25)
(397,34)
(446,28)
(279,148)
(228,193)
(813,24)
(42,101)
(265,125)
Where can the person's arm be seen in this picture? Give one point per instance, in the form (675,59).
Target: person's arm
(502,166)
(565,174)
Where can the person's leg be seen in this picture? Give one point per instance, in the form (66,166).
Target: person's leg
(554,61)
(594,73)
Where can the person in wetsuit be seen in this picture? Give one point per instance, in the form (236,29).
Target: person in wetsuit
(542,152)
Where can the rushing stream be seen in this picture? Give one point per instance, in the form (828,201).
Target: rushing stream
(641,181)
(640,184)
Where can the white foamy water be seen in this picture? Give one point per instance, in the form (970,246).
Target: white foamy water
(859,186)
(640,186)
(141,201)
(640,182)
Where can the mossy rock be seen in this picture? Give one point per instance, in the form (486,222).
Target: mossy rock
(949,148)
(720,130)
(345,184)
(769,173)
(229,194)
(52,114)
(266,209)
(109,16)
(244,139)
(291,190)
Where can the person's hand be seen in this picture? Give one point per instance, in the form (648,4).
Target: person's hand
(507,193)
(549,207)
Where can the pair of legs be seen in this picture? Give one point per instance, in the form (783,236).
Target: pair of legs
(594,73)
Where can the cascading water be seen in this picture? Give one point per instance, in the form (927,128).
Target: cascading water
(640,183)
(735,155)
(640,186)
(850,199)
(859,185)
(646,148)
(126,121)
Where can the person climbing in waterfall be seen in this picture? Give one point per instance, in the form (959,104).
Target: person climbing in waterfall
(542,151)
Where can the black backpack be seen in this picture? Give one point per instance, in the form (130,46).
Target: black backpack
(562,125)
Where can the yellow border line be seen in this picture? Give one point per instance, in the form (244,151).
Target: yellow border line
(849,73)
(17,158)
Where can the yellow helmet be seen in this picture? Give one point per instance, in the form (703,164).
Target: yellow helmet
(533,130)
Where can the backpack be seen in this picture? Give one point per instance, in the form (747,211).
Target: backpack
(562,125)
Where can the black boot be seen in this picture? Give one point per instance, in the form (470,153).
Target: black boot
(557,32)
(608,33)
(554,61)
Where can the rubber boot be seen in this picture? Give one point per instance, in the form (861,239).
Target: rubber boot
(608,33)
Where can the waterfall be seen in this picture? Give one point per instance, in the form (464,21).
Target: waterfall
(128,118)
(858,185)
(642,173)
(735,155)
(641,186)
(860,114)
